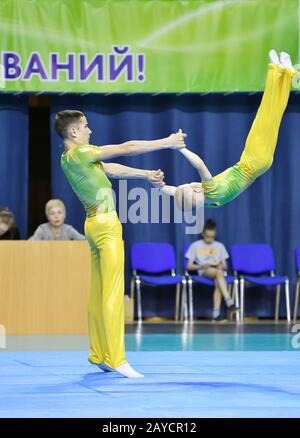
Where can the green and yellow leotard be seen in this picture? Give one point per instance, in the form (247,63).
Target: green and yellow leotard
(258,153)
(85,173)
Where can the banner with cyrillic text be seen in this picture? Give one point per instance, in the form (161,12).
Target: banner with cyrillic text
(130,46)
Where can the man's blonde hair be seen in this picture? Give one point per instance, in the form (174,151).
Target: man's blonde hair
(54,203)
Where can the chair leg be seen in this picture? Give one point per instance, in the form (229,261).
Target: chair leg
(242,291)
(296,305)
(177,301)
(182,304)
(184,301)
(277,302)
(230,290)
(139,300)
(191,301)
(132,285)
(287,300)
(183,307)
(236,299)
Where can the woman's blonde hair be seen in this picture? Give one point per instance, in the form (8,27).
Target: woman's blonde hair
(7,217)
(54,203)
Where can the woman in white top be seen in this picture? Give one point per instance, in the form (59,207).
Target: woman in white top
(208,257)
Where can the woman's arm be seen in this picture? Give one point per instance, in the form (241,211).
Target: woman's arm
(223,264)
(73,234)
(38,234)
(194,266)
(168,190)
(197,163)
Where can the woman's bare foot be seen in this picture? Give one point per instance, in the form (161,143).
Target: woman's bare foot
(273,56)
(285,61)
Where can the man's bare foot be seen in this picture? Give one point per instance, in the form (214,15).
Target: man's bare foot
(127,371)
(104,367)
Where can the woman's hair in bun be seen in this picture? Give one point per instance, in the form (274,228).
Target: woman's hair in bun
(210,224)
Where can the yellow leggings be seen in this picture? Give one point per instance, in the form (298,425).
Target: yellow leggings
(260,146)
(106,300)
(258,154)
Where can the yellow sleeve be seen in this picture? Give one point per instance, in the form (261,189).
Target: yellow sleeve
(95,153)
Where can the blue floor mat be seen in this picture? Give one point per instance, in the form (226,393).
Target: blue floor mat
(176,384)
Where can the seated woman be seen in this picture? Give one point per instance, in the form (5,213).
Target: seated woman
(8,228)
(55,228)
(258,153)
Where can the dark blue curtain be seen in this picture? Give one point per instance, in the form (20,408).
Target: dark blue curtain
(14,157)
(217,127)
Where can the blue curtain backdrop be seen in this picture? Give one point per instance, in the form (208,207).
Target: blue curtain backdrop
(14,157)
(217,127)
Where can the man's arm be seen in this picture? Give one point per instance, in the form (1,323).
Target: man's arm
(115,170)
(136,147)
(197,163)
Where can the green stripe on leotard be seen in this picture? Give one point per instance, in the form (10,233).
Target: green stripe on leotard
(226,186)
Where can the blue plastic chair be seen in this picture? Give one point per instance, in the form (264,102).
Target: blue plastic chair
(257,259)
(296,304)
(150,263)
(191,279)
